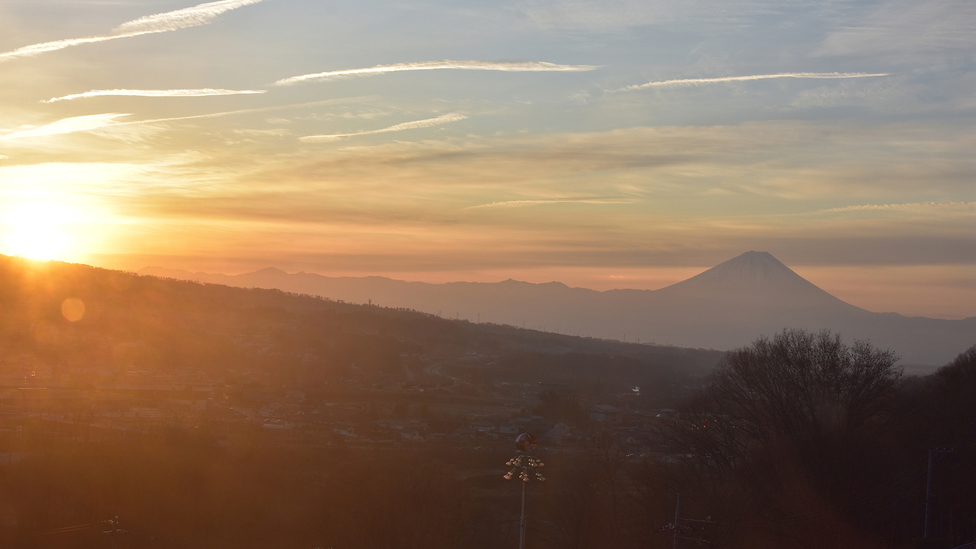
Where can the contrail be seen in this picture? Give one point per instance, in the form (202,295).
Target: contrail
(68,125)
(915,206)
(524,203)
(443,119)
(98,121)
(195,16)
(699,81)
(153,93)
(515,66)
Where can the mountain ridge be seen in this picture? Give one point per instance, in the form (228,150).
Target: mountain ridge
(725,307)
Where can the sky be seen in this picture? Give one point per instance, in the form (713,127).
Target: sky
(604,144)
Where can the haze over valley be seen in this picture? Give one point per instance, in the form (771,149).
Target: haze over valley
(722,308)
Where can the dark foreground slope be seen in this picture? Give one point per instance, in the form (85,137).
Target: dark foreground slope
(143,323)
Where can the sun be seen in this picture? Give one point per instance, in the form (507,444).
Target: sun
(39,230)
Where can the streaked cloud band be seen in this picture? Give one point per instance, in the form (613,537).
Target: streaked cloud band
(935,207)
(153,93)
(94,122)
(68,125)
(700,81)
(194,16)
(518,66)
(427,123)
(525,203)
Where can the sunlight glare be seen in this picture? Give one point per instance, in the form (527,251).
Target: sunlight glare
(39,230)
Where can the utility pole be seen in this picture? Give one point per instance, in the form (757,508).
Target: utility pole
(677,528)
(928,488)
(113,530)
(677,521)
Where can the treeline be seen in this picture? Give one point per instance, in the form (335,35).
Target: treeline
(145,323)
(803,441)
(121,321)
(798,441)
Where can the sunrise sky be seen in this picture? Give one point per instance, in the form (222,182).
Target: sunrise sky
(604,144)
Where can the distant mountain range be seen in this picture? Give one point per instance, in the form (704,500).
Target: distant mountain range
(725,307)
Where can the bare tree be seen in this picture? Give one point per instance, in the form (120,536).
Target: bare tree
(801,386)
(791,424)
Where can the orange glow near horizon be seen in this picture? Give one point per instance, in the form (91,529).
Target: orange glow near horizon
(43,229)
(934,291)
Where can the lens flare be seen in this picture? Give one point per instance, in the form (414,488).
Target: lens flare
(73,309)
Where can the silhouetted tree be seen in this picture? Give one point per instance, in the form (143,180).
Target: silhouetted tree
(802,386)
(793,424)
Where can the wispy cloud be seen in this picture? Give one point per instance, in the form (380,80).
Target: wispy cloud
(443,119)
(336,101)
(934,207)
(68,125)
(514,66)
(94,122)
(700,81)
(525,203)
(195,16)
(154,93)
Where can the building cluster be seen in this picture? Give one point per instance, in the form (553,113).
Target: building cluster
(455,413)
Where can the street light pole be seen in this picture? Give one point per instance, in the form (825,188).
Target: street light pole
(523,464)
(522,520)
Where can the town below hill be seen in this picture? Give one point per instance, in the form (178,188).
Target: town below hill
(140,351)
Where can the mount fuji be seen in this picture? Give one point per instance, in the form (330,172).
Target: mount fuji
(725,307)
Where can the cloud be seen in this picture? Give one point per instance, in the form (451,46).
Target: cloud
(195,16)
(524,203)
(505,66)
(68,125)
(336,101)
(887,93)
(700,81)
(916,207)
(94,122)
(443,119)
(154,93)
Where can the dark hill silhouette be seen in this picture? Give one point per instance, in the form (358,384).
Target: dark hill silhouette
(725,307)
(133,323)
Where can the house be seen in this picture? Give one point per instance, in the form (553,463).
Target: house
(605,412)
(558,435)
(509,428)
